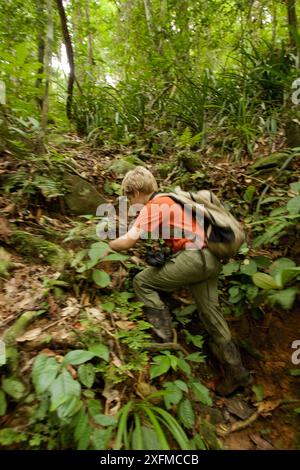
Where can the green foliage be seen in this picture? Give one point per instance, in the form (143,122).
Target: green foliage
(166,361)
(13,387)
(248,285)
(282,220)
(282,272)
(143,426)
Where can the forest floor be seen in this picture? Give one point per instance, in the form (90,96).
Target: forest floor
(260,417)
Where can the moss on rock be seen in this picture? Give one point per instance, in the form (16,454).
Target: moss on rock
(34,247)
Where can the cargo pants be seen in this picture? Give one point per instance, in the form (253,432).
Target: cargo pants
(196,269)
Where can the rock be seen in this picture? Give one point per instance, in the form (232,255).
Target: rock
(82,197)
(271,162)
(35,248)
(239,408)
(292,133)
(120,166)
(190,161)
(5,262)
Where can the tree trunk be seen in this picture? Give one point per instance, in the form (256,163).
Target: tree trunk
(70,55)
(40,10)
(292,24)
(149,19)
(89,36)
(47,53)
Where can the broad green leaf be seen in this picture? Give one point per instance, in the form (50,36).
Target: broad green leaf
(86,374)
(44,371)
(101,278)
(3,403)
(293,206)
(150,438)
(105,420)
(63,389)
(294,372)
(13,387)
(186,414)
(234,291)
(97,251)
(264,281)
(196,340)
(173,361)
(284,276)
(249,193)
(280,264)
(195,357)
(251,292)
(173,396)
(230,268)
(262,261)
(100,350)
(79,356)
(235,294)
(259,392)
(94,407)
(69,408)
(201,393)
(115,257)
(295,186)
(297,410)
(108,306)
(182,385)
(161,366)
(250,268)
(81,420)
(101,437)
(184,366)
(285,298)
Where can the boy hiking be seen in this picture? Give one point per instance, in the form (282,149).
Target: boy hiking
(192,264)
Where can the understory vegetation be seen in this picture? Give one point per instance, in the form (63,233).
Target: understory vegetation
(205,95)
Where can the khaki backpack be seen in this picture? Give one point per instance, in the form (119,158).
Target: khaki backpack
(224,233)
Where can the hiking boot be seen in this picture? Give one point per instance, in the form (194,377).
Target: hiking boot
(235,377)
(235,374)
(161,321)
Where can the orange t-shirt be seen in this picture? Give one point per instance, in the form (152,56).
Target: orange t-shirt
(164,218)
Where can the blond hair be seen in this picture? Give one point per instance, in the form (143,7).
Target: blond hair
(139,180)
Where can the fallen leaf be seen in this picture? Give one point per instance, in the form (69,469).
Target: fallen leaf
(267,406)
(48,352)
(125,325)
(5,230)
(95,313)
(116,361)
(29,335)
(9,208)
(239,408)
(72,309)
(261,443)
(113,400)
